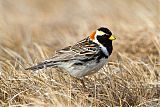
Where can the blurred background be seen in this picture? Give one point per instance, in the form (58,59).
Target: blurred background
(31,30)
(53,24)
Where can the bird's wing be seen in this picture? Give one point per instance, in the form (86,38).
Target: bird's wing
(84,50)
(80,50)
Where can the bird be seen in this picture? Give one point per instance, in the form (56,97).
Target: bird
(85,57)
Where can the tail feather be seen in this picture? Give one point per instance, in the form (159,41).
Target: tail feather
(42,65)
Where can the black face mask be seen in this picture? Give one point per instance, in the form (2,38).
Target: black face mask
(104,40)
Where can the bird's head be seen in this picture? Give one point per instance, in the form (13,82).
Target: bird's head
(102,36)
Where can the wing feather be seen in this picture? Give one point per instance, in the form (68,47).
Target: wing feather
(84,51)
(81,50)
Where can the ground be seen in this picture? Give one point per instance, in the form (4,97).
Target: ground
(31,31)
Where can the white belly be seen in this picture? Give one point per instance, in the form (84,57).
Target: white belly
(82,70)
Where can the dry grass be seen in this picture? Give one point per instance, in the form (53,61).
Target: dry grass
(31,31)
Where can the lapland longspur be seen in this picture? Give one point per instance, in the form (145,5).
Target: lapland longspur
(85,57)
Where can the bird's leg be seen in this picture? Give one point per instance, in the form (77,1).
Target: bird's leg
(82,82)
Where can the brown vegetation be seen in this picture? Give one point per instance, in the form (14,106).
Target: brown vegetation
(31,31)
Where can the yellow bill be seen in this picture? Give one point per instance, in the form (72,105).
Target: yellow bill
(112,37)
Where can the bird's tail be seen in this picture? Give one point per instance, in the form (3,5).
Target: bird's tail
(42,65)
